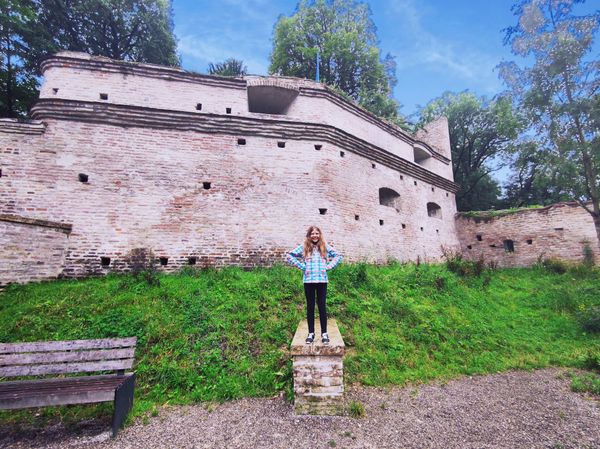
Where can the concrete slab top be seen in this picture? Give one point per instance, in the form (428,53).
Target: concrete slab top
(335,347)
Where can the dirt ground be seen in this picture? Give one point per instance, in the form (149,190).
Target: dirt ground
(510,410)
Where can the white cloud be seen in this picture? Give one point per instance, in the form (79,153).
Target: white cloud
(420,47)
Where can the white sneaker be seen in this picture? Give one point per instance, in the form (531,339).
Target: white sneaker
(325,338)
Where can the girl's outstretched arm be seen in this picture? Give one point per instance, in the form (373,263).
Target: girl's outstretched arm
(296,257)
(334,256)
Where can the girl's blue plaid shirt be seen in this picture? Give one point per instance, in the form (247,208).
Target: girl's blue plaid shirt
(315,267)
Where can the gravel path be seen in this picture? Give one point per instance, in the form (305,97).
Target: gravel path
(509,410)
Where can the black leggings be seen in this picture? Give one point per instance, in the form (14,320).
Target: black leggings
(320,289)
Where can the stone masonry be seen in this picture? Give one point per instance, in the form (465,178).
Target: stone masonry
(318,371)
(522,238)
(201,170)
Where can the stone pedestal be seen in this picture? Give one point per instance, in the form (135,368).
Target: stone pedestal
(318,371)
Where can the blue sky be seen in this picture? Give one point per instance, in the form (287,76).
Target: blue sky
(439,45)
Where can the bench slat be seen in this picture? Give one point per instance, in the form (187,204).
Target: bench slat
(76,385)
(75,356)
(65,368)
(48,346)
(85,397)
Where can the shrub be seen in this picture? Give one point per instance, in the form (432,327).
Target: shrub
(356,410)
(462,267)
(555,265)
(587,382)
(589,318)
(588,254)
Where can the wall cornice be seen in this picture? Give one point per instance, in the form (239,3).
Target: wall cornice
(135,116)
(14,126)
(63,227)
(106,65)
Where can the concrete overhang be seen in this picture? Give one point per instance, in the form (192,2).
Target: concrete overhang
(270,95)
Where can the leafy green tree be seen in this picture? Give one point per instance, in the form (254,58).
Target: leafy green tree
(560,92)
(30,30)
(343,34)
(132,30)
(482,136)
(229,67)
(17,85)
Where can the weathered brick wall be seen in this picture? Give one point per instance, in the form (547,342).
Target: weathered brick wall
(77,76)
(557,231)
(145,190)
(148,169)
(30,252)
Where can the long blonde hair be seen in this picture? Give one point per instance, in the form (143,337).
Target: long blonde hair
(309,245)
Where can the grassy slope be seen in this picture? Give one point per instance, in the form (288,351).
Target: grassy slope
(223,334)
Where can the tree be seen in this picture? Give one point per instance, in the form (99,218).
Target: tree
(344,36)
(17,85)
(229,67)
(131,30)
(134,30)
(560,92)
(482,135)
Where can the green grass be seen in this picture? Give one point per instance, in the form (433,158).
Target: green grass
(497,213)
(217,335)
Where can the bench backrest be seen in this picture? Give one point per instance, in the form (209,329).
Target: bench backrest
(64,357)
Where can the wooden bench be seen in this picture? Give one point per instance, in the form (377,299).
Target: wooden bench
(69,357)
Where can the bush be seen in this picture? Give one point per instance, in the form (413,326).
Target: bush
(463,267)
(356,410)
(588,255)
(555,265)
(590,318)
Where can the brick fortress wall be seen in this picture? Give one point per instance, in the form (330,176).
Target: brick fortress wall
(123,156)
(520,239)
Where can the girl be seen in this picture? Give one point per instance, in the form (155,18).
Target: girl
(312,259)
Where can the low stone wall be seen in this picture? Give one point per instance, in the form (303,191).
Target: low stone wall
(30,249)
(521,238)
(318,371)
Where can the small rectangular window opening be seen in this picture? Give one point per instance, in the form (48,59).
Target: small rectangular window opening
(559,229)
(509,246)
(342,154)
(433,189)
(55,90)
(447,194)
(380,222)
(356,217)
(322,211)
(281,144)
(163,260)
(529,241)
(469,247)
(83,177)
(493,245)
(198,106)
(415,182)
(241,141)
(103,96)
(192,260)
(373,165)
(479,238)
(437,230)
(227,110)
(0,173)
(105,261)
(421,228)
(318,147)
(401,177)
(206,185)
(403,225)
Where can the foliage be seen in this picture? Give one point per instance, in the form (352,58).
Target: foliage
(463,267)
(586,383)
(482,134)
(215,335)
(356,409)
(589,318)
(18,87)
(497,213)
(132,30)
(343,34)
(560,94)
(229,67)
